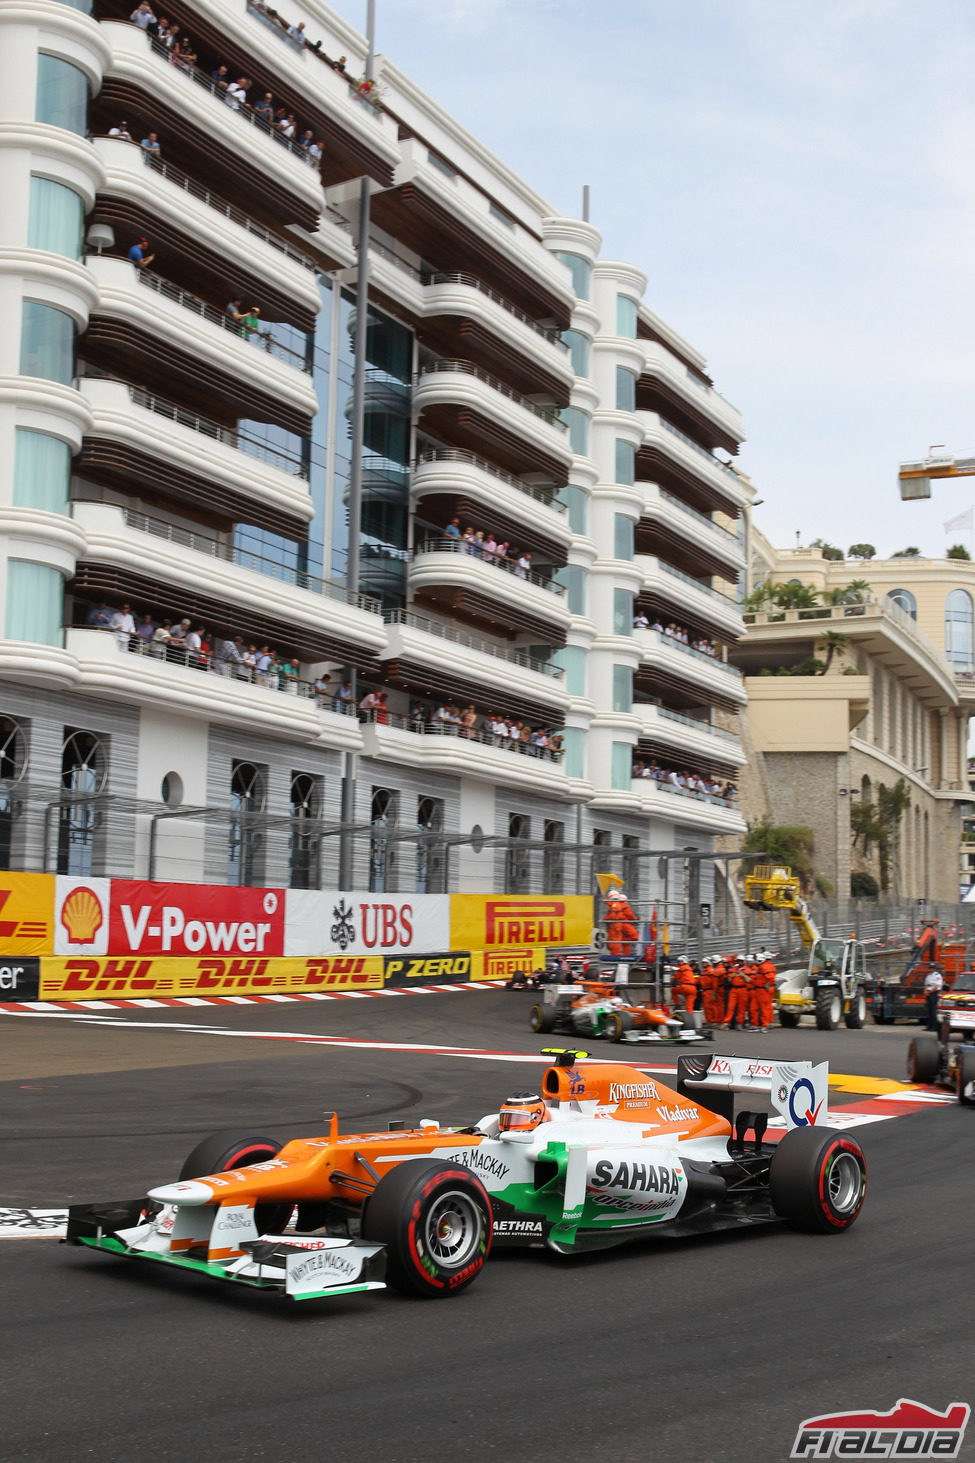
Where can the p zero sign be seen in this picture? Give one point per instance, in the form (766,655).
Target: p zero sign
(194,919)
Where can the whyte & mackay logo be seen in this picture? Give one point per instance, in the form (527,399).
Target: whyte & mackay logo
(909,1430)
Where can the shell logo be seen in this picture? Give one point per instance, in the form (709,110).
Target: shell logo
(81,915)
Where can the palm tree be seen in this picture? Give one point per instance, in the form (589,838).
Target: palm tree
(835,644)
(795,596)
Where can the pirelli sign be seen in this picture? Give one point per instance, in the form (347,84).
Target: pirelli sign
(498,923)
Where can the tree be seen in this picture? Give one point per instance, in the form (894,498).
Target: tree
(829,551)
(958,551)
(761,597)
(834,644)
(783,844)
(863,885)
(861,551)
(795,596)
(911,553)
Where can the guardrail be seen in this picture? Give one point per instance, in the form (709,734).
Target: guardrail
(510,566)
(193,303)
(473,642)
(458,732)
(229,436)
(547,414)
(459,454)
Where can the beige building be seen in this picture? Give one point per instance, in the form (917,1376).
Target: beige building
(892,706)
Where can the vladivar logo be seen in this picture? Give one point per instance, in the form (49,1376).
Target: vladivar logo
(908,1430)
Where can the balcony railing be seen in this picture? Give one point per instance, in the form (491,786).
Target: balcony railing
(702,451)
(719,665)
(457,454)
(473,642)
(272,568)
(701,517)
(262,338)
(435,728)
(471,281)
(547,413)
(696,583)
(510,566)
(703,726)
(230,436)
(686,792)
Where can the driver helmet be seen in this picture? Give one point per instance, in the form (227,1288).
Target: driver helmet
(521,1112)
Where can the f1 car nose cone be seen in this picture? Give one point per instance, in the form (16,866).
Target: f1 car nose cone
(190,1191)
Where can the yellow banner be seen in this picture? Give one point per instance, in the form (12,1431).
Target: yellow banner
(130,978)
(492,922)
(26,914)
(502,964)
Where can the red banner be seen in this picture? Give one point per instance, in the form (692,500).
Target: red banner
(194,919)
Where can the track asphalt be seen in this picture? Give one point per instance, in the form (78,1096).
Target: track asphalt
(704,1351)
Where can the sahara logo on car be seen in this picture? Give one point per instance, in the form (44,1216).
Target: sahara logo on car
(649,1177)
(622,1091)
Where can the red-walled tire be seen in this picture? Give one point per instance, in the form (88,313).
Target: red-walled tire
(435,1220)
(817,1180)
(236,1149)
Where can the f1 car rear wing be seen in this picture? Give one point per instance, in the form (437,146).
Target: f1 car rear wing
(797,1092)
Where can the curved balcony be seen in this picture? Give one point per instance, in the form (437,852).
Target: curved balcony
(666,378)
(684,596)
(701,678)
(694,810)
(671,458)
(690,533)
(478,319)
(145,196)
(460,403)
(477,754)
(674,733)
(445,660)
(445,575)
(448,481)
(137,439)
(189,111)
(169,336)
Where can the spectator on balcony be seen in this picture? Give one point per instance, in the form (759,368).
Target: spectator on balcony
(343,699)
(470,546)
(640,621)
(138,255)
(230,656)
(502,552)
(369,704)
(251,322)
(219,77)
(250,661)
(160,29)
(658,626)
(235,315)
(288,673)
(524,566)
(100,618)
(321,688)
(150,146)
(306,140)
(316,151)
(262,665)
(286,127)
(171,38)
(145,631)
(160,641)
(194,647)
(297,32)
(339,66)
(453,529)
(237,93)
(183,54)
(265,108)
(468,722)
(121,132)
(176,649)
(490,547)
(418,717)
(123,625)
(142,16)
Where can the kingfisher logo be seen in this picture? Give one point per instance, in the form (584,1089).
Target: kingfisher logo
(909,1430)
(801,1100)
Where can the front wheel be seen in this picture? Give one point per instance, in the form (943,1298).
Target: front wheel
(923,1059)
(617,1024)
(435,1220)
(966,1078)
(829,1009)
(856,1016)
(231,1149)
(788,1018)
(541,1018)
(817,1180)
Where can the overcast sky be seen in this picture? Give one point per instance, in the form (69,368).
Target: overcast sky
(797,180)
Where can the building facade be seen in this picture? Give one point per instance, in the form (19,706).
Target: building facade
(539,485)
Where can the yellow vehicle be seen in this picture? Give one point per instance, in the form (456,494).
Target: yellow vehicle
(833,984)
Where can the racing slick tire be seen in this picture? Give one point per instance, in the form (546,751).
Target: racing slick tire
(817,1180)
(856,1016)
(540,1019)
(829,1009)
(966,1077)
(234,1149)
(788,1018)
(923,1059)
(616,1024)
(435,1220)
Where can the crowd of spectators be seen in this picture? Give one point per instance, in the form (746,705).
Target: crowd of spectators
(688,782)
(484,545)
(450,719)
(680,633)
(184,643)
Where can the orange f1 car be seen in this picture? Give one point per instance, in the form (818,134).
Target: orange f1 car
(602,1008)
(598,1155)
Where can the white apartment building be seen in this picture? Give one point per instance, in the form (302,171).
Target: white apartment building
(175,437)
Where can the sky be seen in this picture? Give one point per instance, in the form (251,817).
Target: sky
(797,182)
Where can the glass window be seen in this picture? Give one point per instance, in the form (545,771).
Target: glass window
(46,343)
(572,659)
(622,536)
(62,95)
(958,629)
(581,271)
(574,748)
(245,835)
(553,869)
(626,317)
(84,769)
(577,502)
(905,599)
(574,579)
(57,218)
(35,600)
(622,688)
(625,463)
(304,836)
(578,351)
(517,870)
(578,424)
(625,389)
(622,612)
(622,768)
(42,466)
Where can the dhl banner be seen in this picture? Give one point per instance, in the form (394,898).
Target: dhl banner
(82,978)
(519,924)
(26,914)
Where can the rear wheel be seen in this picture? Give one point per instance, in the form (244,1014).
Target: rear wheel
(829,1009)
(541,1018)
(788,1018)
(230,1149)
(923,1059)
(617,1023)
(817,1180)
(856,1016)
(966,1077)
(435,1220)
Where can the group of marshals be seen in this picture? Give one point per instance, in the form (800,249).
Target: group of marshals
(729,990)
